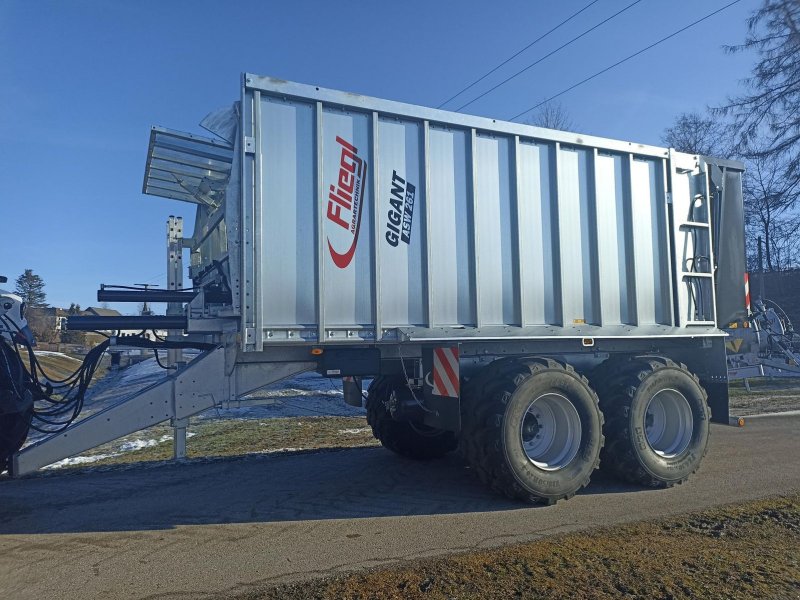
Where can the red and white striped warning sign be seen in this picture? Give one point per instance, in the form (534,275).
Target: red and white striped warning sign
(747,292)
(445,372)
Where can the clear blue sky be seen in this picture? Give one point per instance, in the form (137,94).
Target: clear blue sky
(81,83)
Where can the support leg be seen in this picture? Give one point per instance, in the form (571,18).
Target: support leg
(179,437)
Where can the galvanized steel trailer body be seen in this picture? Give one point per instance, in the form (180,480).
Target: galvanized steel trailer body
(356,235)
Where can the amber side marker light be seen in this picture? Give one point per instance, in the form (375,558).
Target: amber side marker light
(736,421)
(316,351)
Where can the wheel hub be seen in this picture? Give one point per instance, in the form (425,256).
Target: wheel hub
(550,432)
(668,423)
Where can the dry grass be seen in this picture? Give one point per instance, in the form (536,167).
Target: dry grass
(236,437)
(746,551)
(59,367)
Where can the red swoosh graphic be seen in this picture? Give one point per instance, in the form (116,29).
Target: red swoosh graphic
(343,260)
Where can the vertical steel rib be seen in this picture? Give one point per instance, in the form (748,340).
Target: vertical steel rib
(630,242)
(376,233)
(558,296)
(517,255)
(427,237)
(596,276)
(472,202)
(320,270)
(257,225)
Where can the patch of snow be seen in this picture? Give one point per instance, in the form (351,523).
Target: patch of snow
(142,370)
(137,444)
(353,431)
(274,450)
(295,393)
(58,354)
(78,460)
(129,446)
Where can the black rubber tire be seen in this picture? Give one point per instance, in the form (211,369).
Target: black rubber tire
(493,403)
(625,389)
(15,411)
(411,440)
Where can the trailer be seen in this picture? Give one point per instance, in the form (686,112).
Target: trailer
(543,302)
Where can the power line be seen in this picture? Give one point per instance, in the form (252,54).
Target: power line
(635,54)
(513,56)
(546,56)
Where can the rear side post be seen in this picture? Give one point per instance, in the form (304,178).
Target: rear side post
(175,356)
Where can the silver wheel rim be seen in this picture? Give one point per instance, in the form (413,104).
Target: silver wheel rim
(668,423)
(550,432)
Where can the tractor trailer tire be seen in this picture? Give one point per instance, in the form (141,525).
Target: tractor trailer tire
(531,429)
(657,420)
(406,438)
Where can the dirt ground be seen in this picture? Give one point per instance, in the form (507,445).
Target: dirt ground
(766,395)
(745,551)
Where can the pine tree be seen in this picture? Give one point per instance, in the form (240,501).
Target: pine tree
(70,336)
(31,287)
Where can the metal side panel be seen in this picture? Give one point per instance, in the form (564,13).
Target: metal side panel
(577,233)
(450,210)
(650,250)
(346,148)
(495,224)
(614,238)
(538,233)
(287,261)
(401,216)
(361,216)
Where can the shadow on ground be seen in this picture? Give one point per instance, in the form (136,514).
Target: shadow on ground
(343,484)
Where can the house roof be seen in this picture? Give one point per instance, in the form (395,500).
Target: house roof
(102,312)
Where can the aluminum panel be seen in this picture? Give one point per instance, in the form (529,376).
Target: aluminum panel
(538,233)
(451,220)
(614,231)
(346,147)
(287,214)
(401,211)
(577,233)
(363,218)
(495,232)
(649,242)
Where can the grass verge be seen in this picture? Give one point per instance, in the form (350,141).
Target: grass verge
(742,551)
(235,437)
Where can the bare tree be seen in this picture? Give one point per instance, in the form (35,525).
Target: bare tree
(769,195)
(769,198)
(695,134)
(552,115)
(771,108)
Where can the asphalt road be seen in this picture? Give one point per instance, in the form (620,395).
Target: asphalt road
(213,528)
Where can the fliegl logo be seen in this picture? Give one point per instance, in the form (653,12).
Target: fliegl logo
(344,202)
